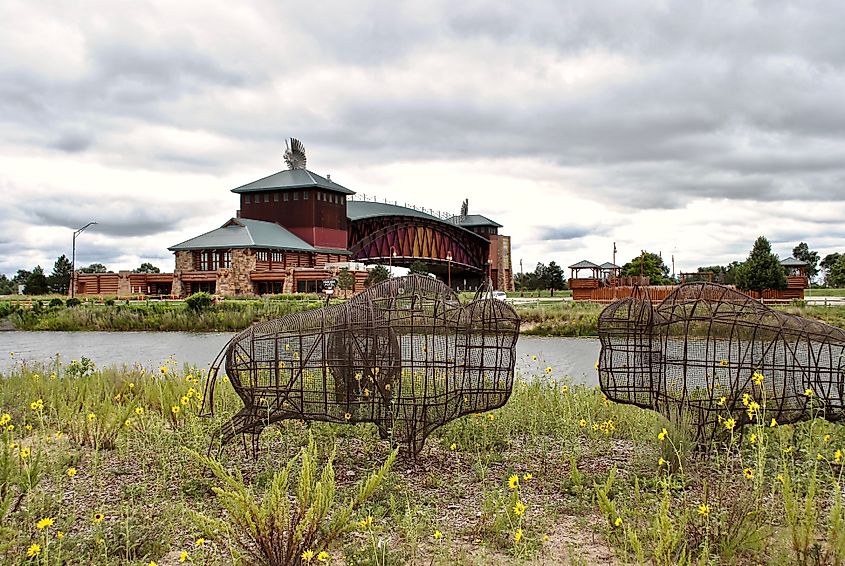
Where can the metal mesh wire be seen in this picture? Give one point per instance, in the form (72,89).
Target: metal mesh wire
(708,353)
(405,355)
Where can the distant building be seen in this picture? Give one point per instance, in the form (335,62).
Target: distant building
(295,228)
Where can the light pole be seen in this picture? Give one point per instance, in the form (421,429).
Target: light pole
(449,267)
(73,259)
(392,255)
(490,272)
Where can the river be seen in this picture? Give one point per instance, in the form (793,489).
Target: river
(568,357)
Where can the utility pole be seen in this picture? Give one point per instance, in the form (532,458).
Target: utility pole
(73,259)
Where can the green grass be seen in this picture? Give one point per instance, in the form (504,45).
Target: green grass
(559,475)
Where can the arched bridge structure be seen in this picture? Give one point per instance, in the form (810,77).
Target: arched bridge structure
(397,235)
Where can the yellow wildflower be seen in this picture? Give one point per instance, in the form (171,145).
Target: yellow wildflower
(617,522)
(826,438)
(662,462)
(722,401)
(98,518)
(513,482)
(347,416)
(661,436)
(517,536)
(582,423)
(33,550)
(730,423)
(323,556)
(753,438)
(175,409)
(780,478)
(308,555)
(746,399)
(92,417)
(200,541)
(723,363)
(453,446)
(704,510)
(527,476)
(757,378)
(24,452)
(36,405)
(437,535)
(5,418)
(139,410)
(163,370)
(184,400)
(60,535)
(44,523)
(71,472)
(183,556)
(837,456)
(549,369)
(774,423)
(519,509)
(808,392)
(748,472)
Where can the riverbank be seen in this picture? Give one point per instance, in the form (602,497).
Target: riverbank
(102,466)
(540,318)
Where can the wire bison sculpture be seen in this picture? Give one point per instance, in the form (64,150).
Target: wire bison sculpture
(405,355)
(708,354)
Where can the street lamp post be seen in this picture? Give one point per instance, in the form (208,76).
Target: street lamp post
(449,267)
(73,259)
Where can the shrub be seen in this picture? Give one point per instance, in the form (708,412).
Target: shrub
(199,301)
(56,302)
(109,302)
(73,302)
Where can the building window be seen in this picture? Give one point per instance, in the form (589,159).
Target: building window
(319,195)
(266,197)
(295,195)
(305,195)
(278,256)
(276,196)
(309,285)
(212,260)
(247,199)
(343,199)
(286,197)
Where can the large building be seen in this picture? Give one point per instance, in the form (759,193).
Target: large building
(294,229)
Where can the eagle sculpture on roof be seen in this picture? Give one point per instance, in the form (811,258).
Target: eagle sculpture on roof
(295,154)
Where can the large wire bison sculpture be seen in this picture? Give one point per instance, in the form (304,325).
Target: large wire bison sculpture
(718,359)
(405,355)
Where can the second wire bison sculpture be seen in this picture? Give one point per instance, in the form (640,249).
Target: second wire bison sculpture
(405,355)
(719,359)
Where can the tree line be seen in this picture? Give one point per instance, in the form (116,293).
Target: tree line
(37,282)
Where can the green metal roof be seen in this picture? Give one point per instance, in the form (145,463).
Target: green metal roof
(471,220)
(359,209)
(292,179)
(247,233)
(584,264)
(792,262)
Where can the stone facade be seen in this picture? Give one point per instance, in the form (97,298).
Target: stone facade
(184,262)
(236,280)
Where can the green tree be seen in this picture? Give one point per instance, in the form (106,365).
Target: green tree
(59,280)
(6,286)
(802,251)
(377,274)
(345,279)
(648,265)
(762,270)
(419,267)
(827,263)
(94,268)
(20,278)
(146,267)
(836,273)
(36,283)
(553,278)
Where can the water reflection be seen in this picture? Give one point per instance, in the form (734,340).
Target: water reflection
(573,357)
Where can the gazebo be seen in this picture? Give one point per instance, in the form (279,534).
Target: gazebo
(595,270)
(610,271)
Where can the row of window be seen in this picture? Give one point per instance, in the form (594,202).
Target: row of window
(276,256)
(212,260)
(295,195)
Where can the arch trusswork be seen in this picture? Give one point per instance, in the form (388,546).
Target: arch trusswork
(414,238)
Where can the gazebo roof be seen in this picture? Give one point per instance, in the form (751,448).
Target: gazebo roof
(608,265)
(584,264)
(792,262)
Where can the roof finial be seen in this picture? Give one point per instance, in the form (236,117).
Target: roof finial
(465,207)
(295,154)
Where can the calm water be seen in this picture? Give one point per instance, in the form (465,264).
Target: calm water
(573,357)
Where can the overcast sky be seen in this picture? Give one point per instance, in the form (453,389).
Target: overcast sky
(687,128)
